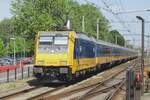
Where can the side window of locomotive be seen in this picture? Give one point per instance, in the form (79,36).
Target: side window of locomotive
(81,49)
(76,49)
(87,49)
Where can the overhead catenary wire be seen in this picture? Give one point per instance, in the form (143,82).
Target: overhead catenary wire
(120,21)
(123,9)
(133,11)
(117,17)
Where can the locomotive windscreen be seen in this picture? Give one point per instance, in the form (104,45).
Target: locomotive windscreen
(53,44)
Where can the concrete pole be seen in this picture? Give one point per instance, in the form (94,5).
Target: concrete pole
(7,47)
(134,43)
(83,24)
(24,48)
(14,52)
(97,35)
(127,43)
(148,46)
(116,39)
(14,40)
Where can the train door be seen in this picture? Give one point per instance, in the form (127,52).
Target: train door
(77,52)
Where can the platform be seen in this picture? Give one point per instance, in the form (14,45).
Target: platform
(146,96)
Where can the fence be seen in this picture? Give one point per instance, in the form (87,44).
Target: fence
(133,85)
(15,72)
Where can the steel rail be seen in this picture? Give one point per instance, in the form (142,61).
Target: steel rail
(112,94)
(17,93)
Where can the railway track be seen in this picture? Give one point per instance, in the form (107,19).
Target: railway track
(30,93)
(34,89)
(13,93)
(112,95)
(42,96)
(110,83)
(111,90)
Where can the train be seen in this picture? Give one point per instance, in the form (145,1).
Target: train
(68,55)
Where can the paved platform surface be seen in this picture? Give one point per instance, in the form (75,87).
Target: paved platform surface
(146,96)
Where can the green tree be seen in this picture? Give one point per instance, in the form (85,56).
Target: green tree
(130,46)
(6,30)
(117,38)
(2,48)
(32,16)
(91,15)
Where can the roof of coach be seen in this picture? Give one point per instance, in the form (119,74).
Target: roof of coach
(113,45)
(84,37)
(104,43)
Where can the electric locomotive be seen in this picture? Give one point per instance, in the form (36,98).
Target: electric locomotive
(66,55)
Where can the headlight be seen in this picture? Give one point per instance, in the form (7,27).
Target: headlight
(63,70)
(63,62)
(37,70)
(40,62)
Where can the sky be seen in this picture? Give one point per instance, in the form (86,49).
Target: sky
(126,23)
(5,9)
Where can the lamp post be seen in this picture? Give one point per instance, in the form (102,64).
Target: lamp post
(24,48)
(116,39)
(142,50)
(14,50)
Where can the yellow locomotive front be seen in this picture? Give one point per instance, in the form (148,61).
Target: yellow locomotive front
(54,54)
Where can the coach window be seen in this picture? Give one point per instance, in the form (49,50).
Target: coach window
(80,51)
(94,49)
(80,48)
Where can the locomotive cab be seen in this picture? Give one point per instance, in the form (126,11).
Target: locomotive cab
(54,54)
